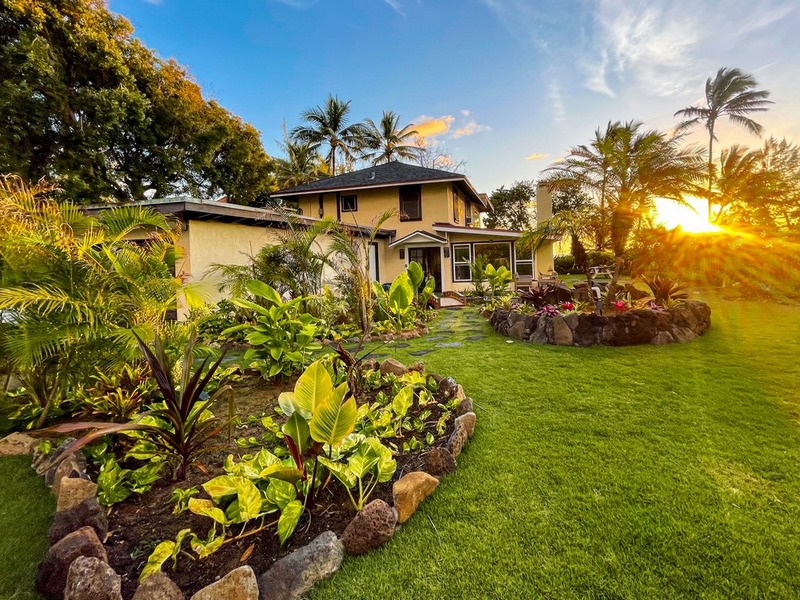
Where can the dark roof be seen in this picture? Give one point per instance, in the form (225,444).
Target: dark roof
(193,209)
(385,175)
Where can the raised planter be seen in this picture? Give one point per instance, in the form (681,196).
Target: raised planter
(631,328)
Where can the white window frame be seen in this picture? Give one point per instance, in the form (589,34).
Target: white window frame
(468,263)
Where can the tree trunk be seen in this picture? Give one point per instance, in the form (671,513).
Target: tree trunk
(710,165)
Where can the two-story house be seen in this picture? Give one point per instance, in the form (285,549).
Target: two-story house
(435,221)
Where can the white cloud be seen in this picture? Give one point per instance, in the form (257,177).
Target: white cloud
(465,112)
(537,156)
(396,6)
(470,128)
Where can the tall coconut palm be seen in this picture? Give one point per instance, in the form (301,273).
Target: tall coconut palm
(731,93)
(302,164)
(744,189)
(387,141)
(330,126)
(630,167)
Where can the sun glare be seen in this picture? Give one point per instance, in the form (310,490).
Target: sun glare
(692,218)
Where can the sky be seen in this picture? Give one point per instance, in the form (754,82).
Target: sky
(506,85)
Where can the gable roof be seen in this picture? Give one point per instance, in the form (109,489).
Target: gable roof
(386,175)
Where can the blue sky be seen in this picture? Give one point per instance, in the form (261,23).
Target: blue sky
(507,85)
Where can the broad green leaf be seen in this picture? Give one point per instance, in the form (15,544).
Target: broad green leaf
(341,471)
(206,508)
(156,560)
(296,427)
(401,294)
(312,388)
(414,378)
(280,492)
(333,421)
(403,401)
(204,548)
(220,487)
(262,290)
(278,471)
(178,543)
(363,461)
(249,499)
(264,458)
(286,402)
(387,465)
(415,274)
(290,516)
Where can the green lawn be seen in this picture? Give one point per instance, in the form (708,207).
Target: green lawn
(644,472)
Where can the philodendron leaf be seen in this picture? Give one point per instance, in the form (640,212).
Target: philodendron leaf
(249,499)
(206,508)
(362,461)
(281,492)
(312,388)
(297,429)
(204,548)
(333,420)
(415,273)
(386,463)
(403,401)
(401,294)
(340,471)
(282,472)
(157,559)
(220,487)
(288,520)
(261,289)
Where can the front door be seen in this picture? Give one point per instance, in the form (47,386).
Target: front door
(431,260)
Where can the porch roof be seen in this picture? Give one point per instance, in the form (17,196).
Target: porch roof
(418,236)
(448,228)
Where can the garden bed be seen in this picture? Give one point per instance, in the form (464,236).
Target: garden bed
(629,328)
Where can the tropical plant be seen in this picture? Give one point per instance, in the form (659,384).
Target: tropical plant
(478,271)
(731,93)
(370,464)
(78,286)
(283,336)
(387,141)
(745,190)
(423,286)
(117,396)
(513,208)
(302,164)
(666,292)
(630,168)
(397,305)
(180,425)
(329,125)
(116,483)
(499,279)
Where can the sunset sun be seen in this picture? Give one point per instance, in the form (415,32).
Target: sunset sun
(691,217)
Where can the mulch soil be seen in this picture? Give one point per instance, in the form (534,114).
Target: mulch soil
(138,524)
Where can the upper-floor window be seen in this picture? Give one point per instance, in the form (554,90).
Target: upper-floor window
(455,205)
(349,203)
(411,203)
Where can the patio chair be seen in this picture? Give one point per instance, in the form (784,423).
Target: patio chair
(548,277)
(523,283)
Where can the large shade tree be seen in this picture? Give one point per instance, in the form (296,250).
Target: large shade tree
(387,141)
(84,103)
(329,126)
(630,167)
(732,94)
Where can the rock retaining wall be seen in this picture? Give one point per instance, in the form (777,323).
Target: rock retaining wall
(634,327)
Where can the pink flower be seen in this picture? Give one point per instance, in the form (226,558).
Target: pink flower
(620,306)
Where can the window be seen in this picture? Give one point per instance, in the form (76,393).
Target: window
(461,259)
(524,265)
(455,205)
(497,254)
(349,203)
(411,203)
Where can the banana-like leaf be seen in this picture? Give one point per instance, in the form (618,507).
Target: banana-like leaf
(312,388)
(263,290)
(296,427)
(334,420)
(401,294)
(415,274)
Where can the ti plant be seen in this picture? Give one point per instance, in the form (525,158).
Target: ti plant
(282,338)
(180,425)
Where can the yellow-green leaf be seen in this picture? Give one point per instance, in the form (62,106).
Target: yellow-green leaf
(288,520)
(155,561)
(333,420)
(312,388)
(220,487)
(206,508)
(249,499)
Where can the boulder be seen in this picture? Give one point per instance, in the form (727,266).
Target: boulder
(572,320)
(562,334)
(17,444)
(294,575)
(517,330)
(440,462)
(409,491)
(468,421)
(463,407)
(89,578)
(370,528)
(158,587)
(68,468)
(418,366)
(51,577)
(369,364)
(88,513)
(393,366)
(448,387)
(682,334)
(239,584)
(458,439)
(539,333)
(72,492)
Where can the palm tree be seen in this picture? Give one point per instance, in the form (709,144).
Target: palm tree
(78,286)
(730,94)
(329,125)
(388,141)
(302,164)
(746,189)
(630,167)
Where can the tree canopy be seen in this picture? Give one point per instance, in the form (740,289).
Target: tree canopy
(88,106)
(513,207)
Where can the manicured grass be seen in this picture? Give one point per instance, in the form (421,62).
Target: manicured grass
(646,472)
(643,472)
(25,509)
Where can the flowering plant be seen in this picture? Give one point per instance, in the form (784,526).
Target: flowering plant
(620,306)
(548,309)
